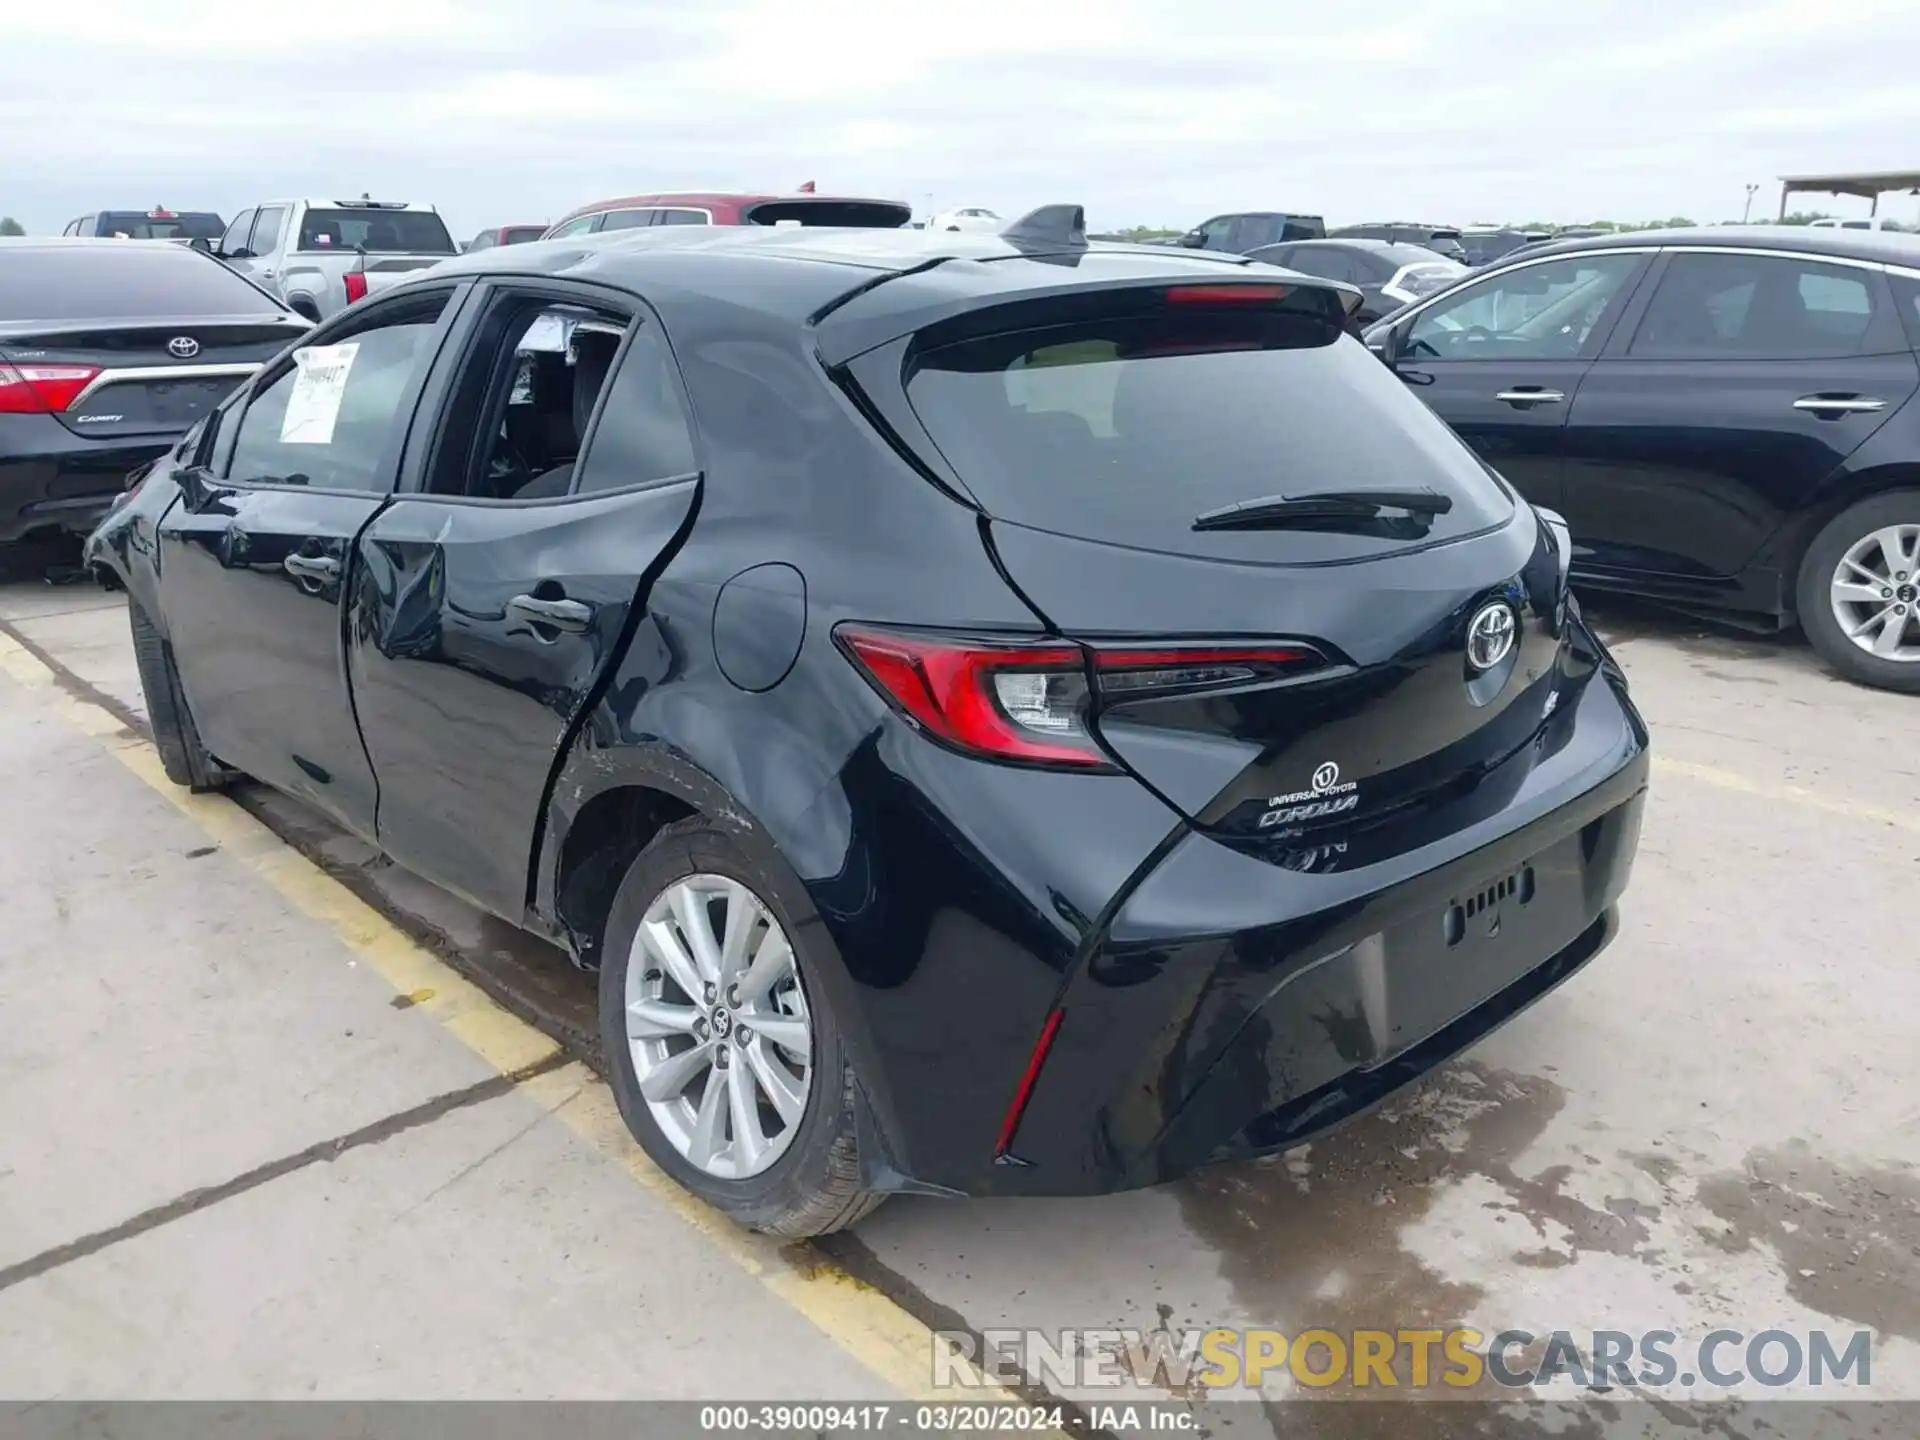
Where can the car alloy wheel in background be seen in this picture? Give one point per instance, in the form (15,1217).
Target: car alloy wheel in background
(1875,593)
(717,1026)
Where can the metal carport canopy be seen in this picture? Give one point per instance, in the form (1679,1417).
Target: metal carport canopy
(1868,184)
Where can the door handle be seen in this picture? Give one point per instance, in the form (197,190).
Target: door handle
(1837,405)
(569,615)
(1534,396)
(312,567)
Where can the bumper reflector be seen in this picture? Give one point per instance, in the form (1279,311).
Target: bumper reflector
(1011,1121)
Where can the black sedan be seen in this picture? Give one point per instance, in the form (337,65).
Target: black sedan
(1388,275)
(109,352)
(1724,416)
(880,654)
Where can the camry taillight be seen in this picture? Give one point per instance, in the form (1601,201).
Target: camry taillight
(356,283)
(42,389)
(1027,701)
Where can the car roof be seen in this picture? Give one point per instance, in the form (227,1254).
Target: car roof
(1357,242)
(360,204)
(148,213)
(703,198)
(1890,247)
(99,244)
(905,278)
(1404,252)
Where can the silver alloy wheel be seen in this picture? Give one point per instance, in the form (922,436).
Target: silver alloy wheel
(1875,593)
(718,1027)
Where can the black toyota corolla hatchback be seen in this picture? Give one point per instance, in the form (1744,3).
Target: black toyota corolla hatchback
(1001,715)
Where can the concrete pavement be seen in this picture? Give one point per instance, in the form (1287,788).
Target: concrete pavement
(1715,1125)
(238,1164)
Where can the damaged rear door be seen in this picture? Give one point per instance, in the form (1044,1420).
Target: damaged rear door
(499,587)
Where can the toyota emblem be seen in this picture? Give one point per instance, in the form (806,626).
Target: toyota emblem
(183,347)
(1490,635)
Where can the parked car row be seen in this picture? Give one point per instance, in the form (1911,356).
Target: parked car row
(1689,475)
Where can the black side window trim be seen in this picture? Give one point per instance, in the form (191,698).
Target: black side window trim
(343,328)
(416,468)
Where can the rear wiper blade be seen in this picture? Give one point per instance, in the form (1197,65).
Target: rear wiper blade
(1328,509)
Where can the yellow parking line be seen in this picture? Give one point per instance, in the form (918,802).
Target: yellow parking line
(863,1322)
(1790,794)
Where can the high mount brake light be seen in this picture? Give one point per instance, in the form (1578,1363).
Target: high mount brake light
(1226,294)
(1026,702)
(42,389)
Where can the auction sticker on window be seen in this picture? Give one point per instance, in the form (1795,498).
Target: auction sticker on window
(319,385)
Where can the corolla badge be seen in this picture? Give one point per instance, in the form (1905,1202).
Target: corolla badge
(1327,797)
(183,347)
(1490,635)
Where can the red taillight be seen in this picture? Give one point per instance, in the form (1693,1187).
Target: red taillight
(1225,294)
(1028,702)
(1007,701)
(1010,1122)
(356,282)
(42,389)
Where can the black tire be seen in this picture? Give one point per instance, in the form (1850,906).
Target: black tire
(184,758)
(815,1186)
(1896,507)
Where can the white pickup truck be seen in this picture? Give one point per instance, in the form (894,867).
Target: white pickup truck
(322,255)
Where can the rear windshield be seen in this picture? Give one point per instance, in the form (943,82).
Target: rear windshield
(380,232)
(123,282)
(863,214)
(192,225)
(521,234)
(1127,429)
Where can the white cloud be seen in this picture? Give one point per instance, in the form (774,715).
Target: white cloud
(1145,110)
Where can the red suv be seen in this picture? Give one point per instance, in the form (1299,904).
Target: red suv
(637,210)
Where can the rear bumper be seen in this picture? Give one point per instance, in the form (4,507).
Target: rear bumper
(52,480)
(1231,1007)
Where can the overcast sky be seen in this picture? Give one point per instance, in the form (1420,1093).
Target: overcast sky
(1147,113)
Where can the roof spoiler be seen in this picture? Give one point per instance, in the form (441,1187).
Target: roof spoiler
(1053,225)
